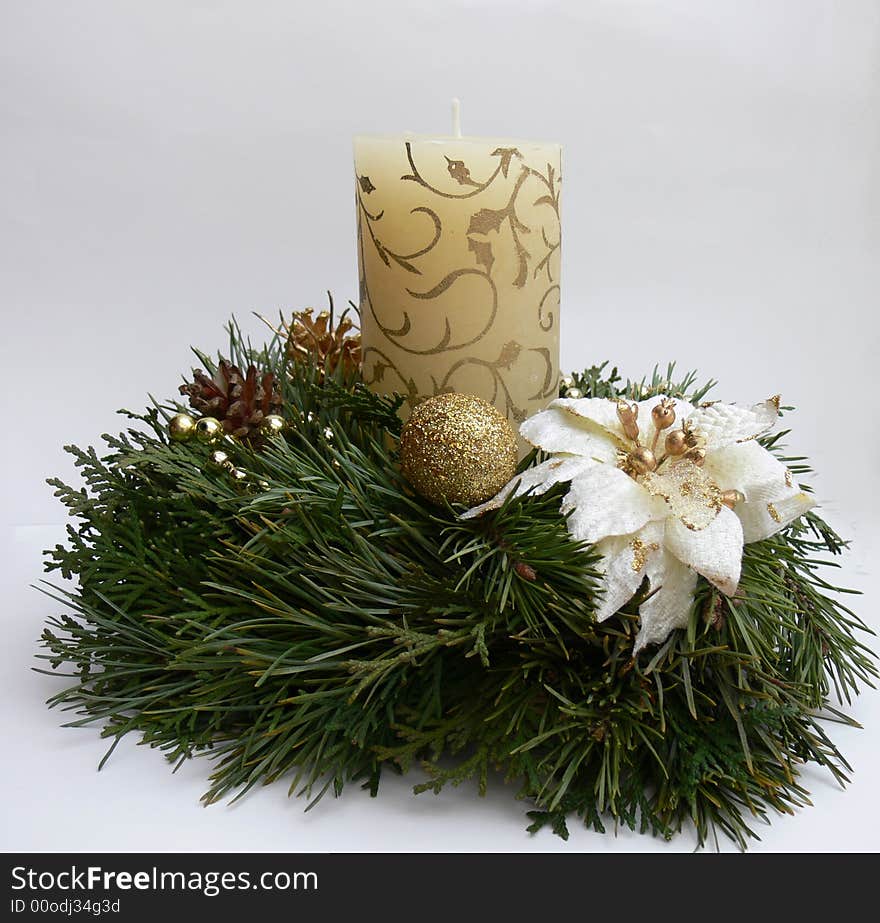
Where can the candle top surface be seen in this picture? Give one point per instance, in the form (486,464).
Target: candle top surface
(453,139)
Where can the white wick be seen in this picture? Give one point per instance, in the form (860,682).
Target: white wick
(456,117)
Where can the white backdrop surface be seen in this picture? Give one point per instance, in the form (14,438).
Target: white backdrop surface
(165,164)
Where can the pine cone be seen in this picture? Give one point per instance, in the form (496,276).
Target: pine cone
(318,340)
(239,401)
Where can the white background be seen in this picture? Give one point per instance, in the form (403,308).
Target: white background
(165,163)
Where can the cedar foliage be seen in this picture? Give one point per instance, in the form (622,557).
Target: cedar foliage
(327,625)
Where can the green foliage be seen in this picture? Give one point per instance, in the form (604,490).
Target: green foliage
(321,624)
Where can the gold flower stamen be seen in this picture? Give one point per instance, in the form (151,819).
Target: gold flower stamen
(628,416)
(730,498)
(663,415)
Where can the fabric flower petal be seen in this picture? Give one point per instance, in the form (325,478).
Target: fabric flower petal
(772,497)
(715,552)
(762,519)
(670,603)
(555,430)
(727,424)
(538,480)
(749,468)
(624,564)
(692,496)
(600,411)
(604,501)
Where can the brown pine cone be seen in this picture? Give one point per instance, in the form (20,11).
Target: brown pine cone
(239,401)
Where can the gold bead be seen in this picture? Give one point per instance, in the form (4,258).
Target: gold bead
(628,416)
(697,456)
(181,427)
(574,393)
(208,429)
(264,485)
(676,442)
(566,382)
(456,448)
(272,425)
(219,459)
(328,434)
(641,460)
(663,415)
(239,475)
(730,498)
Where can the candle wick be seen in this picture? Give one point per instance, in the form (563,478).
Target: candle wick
(456,117)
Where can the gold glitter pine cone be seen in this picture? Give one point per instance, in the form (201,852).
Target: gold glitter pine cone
(320,340)
(456,448)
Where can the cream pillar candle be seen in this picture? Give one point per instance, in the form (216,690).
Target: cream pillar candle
(459,252)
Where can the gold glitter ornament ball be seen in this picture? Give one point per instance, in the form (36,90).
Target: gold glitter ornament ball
(457,448)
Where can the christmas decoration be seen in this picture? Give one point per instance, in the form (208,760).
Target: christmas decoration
(323,341)
(238,475)
(208,429)
(661,516)
(181,427)
(219,459)
(272,425)
(290,608)
(238,401)
(456,448)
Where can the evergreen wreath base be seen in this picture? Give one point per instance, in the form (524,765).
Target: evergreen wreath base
(326,624)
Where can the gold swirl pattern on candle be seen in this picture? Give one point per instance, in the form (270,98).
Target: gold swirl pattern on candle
(459,254)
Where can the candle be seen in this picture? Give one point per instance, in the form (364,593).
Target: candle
(459,254)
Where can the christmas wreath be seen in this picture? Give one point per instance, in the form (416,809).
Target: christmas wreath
(634,622)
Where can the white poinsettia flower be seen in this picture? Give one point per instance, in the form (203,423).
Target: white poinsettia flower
(665,491)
